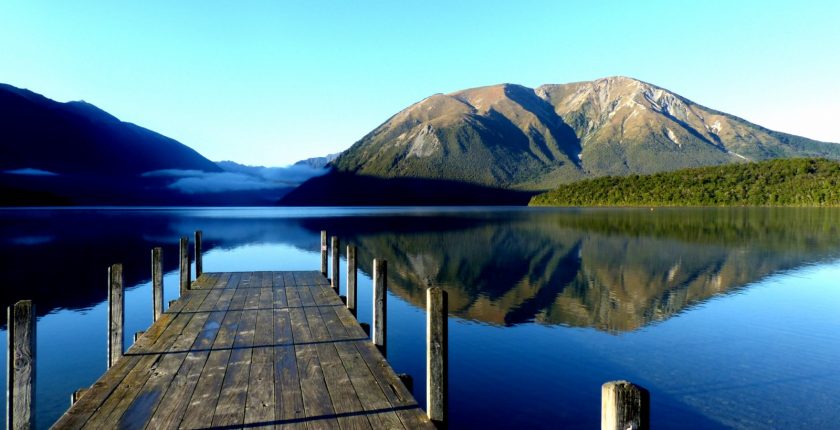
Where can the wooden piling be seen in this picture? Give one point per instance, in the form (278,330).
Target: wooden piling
(352,288)
(324,253)
(20,366)
(336,278)
(624,405)
(185,265)
(116,313)
(437,355)
(407,380)
(76,395)
(157,283)
(199,266)
(380,303)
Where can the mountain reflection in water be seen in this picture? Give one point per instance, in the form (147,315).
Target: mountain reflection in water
(612,270)
(615,270)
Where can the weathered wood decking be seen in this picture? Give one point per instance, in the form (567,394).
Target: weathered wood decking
(251,349)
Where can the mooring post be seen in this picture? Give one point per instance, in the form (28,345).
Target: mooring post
(336,253)
(624,405)
(352,289)
(116,313)
(76,395)
(437,355)
(157,283)
(20,366)
(199,266)
(324,253)
(380,303)
(185,265)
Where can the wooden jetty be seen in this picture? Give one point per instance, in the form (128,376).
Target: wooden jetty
(260,349)
(253,349)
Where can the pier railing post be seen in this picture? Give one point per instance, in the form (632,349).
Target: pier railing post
(199,266)
(624,406)
(185,265)
(116,313)
(76,395)
(157,283)
(324,253)
(336,252)
(380,303)
(20,366)
(352,289)
(437,355)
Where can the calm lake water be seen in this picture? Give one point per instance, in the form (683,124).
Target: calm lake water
(730,317)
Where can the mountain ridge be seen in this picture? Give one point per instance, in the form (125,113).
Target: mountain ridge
(509,136)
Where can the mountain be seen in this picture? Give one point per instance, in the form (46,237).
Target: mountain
(318,162)
(78,137)
(513,137)
(75,153)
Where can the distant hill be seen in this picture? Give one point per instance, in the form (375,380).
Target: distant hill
(318,162)
(78,137)
(534,139)
(74,153)
(784,182)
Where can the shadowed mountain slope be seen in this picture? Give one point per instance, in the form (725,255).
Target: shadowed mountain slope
(77,137)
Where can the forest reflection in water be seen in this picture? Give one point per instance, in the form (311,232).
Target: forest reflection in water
(612,269)
(615,270)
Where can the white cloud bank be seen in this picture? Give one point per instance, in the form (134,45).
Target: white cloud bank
(236,178)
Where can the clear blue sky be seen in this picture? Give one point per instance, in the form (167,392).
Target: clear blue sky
(276,81)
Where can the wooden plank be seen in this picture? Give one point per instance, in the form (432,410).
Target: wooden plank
(279,291)
(292,296)
(288,409)
(259,406)
(140,405)
(20,366)
(437,355)
(288,279)
(157,283)
(400,399)
(306,298)
(122,399)
(323,296)
(370,394)
(230,409)
(136,376)
(342,394)
(203,401)
(316,397)
(159,336)
(174,402)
